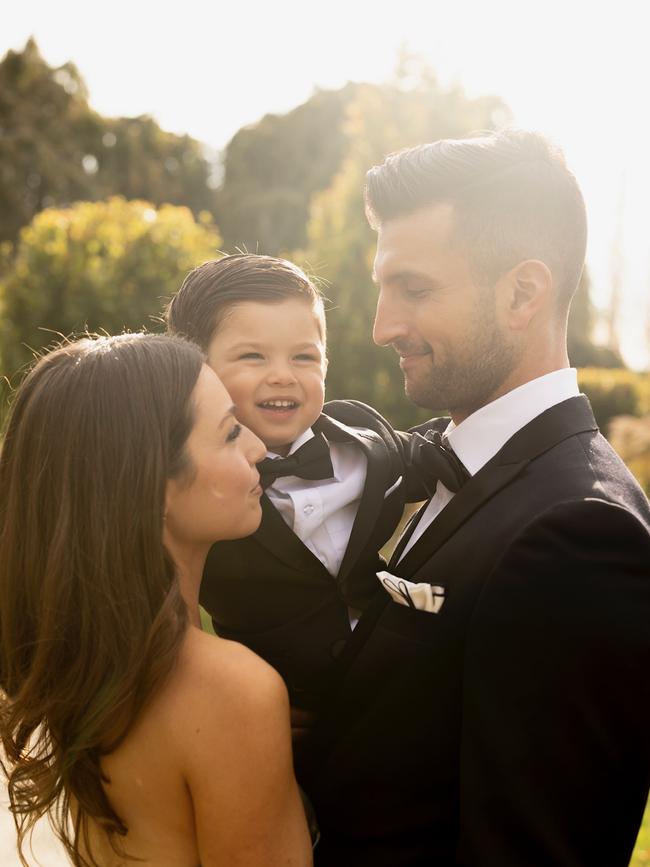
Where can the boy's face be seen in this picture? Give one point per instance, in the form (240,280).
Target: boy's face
(271,358)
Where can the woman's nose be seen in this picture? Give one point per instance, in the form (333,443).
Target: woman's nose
(255,448)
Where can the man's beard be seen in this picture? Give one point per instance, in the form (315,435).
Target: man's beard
(467,379)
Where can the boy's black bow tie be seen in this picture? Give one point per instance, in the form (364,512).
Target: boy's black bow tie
(432,455)
(311,461)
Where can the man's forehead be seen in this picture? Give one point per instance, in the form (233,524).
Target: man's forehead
(407,244)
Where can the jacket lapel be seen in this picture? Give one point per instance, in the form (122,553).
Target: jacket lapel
(561,421)
(384,467)
(285,545)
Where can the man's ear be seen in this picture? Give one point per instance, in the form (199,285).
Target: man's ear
(523,292)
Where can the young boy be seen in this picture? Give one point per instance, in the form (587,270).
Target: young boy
(294,590)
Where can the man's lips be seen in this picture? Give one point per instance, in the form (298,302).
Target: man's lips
(410,359)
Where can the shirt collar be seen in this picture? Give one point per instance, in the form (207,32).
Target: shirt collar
(481,435)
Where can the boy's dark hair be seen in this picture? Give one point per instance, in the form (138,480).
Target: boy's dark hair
(512,194)
(211,290)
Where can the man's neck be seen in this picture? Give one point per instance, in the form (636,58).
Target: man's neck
(532,367)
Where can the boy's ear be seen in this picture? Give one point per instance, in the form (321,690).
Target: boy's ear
(326,362)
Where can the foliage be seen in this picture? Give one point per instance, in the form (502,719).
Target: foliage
(630,437)
(641,855)
(101,265)
(54,149)
(582,351)
(272,168)
(615,392)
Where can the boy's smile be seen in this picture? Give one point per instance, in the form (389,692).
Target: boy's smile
(271,358)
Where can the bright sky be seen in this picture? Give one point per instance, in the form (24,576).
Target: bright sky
(577,70)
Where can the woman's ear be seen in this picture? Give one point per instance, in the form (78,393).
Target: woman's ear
(523,292)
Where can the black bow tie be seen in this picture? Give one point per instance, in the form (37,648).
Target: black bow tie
(432,455)
(311,461)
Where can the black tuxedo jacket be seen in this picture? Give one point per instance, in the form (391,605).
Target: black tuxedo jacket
(511,729)
(270,592)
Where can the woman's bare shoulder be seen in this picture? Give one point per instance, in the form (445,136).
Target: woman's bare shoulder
(222,682)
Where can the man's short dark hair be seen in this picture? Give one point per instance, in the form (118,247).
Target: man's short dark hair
(513,198)
(210,291)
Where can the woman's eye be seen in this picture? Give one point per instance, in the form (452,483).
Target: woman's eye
(233,433)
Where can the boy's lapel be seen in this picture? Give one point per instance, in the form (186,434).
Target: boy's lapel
(284,544)
(384,469)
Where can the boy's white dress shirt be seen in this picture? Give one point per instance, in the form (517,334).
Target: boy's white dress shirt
(321,512)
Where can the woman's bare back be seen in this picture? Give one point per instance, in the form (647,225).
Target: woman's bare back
(205,776)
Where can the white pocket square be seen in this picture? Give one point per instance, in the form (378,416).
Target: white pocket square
(393,487)
(424,597)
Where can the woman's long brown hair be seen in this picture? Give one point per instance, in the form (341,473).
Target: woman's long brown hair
(91,616)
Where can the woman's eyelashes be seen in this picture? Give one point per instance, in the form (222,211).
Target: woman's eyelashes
(233,433)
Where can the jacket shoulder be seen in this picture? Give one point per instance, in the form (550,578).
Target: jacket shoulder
(356,414)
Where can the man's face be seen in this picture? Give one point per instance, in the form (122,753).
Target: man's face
(443,324)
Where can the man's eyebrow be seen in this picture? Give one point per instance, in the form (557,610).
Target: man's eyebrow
(229,414)
(404,276)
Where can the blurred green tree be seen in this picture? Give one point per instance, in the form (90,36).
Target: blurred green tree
(54,149)
(583,352)
(97,265)
(272,168)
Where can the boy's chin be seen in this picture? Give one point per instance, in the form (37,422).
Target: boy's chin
(279,448)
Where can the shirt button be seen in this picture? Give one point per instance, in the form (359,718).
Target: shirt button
(308,509)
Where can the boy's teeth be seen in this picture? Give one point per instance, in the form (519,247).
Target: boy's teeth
(283,404)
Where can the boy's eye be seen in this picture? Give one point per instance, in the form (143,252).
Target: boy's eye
(250,355)
(307,356)
(233,433)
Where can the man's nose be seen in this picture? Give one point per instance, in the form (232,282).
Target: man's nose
(389,325)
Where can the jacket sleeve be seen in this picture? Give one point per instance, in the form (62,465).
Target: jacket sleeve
(555,740)
(358,414)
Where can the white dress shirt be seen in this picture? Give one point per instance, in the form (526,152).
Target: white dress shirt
(481,435)
(321,512)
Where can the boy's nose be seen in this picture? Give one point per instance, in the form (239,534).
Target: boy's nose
(281,374)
